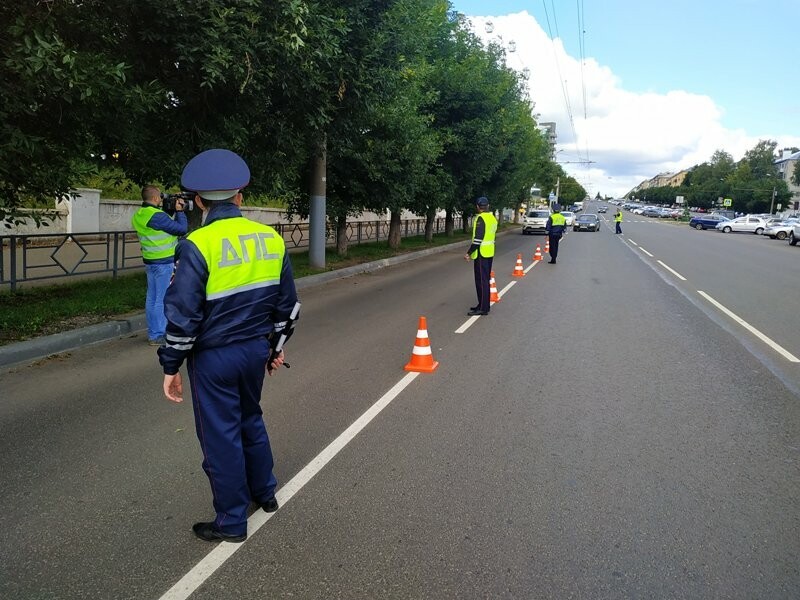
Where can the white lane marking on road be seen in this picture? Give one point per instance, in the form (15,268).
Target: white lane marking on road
(777,347)
(217,557)
(673,271)
(632,242)
(467,324)
(502,292)
(645,251)
(533,264)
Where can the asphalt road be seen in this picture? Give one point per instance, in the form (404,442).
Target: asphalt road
(606,432)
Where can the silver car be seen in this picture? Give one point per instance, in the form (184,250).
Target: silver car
(747,223)
(779,230)
(794,234)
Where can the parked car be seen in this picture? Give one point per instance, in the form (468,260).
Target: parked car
(651,211)
(586,223)
(706,221)
(746,223)
(779,230)
(535,221)
(569,217)
(794,234)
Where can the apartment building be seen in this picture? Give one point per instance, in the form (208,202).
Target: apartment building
(786,165)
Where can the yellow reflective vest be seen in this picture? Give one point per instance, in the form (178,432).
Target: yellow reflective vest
(155,243)
(490,231)
(241,255)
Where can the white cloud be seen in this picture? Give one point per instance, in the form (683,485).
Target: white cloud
(630,136)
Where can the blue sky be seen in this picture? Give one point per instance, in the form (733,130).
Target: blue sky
(723,68)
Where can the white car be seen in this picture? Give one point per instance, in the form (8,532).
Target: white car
(747,223)
(535,221)
(569,216)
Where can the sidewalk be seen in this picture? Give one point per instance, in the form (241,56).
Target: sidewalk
(30,350)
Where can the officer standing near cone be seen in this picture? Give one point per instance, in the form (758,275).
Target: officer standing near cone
(232,288)
(556,224)
(481,252)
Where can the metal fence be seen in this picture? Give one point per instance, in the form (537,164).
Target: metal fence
(29,258)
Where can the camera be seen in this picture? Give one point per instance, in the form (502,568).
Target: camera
(169,202)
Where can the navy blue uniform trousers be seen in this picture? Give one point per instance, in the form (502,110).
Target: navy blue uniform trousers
(237,457)
(483,269)
(554,240)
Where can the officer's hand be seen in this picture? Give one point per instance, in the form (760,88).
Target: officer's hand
(180,205)
(173,387)
(277,361)
(466,257)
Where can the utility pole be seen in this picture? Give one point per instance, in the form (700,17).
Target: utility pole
(772,203)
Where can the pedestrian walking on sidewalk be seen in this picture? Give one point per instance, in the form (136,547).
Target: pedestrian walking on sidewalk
(233,288)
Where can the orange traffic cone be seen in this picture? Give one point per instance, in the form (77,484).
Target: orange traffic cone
(494,296)
(547,246)
(538,254)
(421,357)
(519,271)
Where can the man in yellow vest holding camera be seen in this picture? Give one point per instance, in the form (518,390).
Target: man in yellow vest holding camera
(158,236)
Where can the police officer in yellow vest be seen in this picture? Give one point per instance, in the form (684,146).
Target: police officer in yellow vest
(618,221)
(233,287)
(481,252)
(158,236)
(555,226)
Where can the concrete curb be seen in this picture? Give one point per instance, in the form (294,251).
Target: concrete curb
(30,350)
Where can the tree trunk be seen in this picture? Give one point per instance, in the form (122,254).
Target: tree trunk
(464,222)
(430,219)
(341,235)
(394,230)
(449,223)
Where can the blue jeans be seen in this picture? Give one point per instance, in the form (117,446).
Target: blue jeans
(158,276)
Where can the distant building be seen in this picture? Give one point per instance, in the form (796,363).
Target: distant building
(660,180)
(786,165)
(549,131)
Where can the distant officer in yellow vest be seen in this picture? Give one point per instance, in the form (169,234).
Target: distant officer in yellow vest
(618,221)
(233,287)
(555,226)
(481,252)
(158,236)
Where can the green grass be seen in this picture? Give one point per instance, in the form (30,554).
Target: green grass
(40,310)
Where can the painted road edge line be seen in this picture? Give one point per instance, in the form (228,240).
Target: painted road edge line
(671,270)
(533,264)
(645,251)
(632,242)
(217,557)
(777,347)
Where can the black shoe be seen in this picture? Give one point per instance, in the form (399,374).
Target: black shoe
(552,261)
(476,307)
(207,533)
(475,311)
(270,505)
